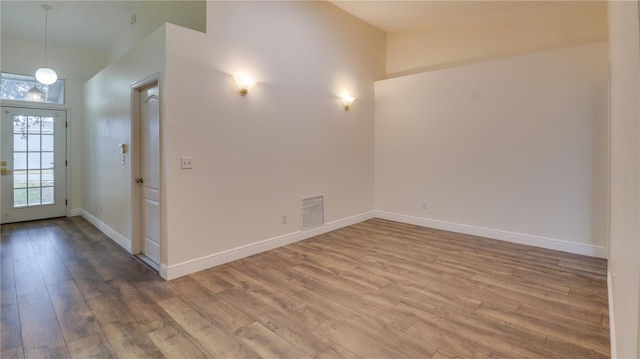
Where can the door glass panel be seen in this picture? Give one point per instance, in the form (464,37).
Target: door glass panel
(47,125)
(20,179)
(20,197)
(47,160)
(33,124)
(33,156)
(33,179)
(47,178)
(19,124)
(33,196)
(20,161)
(19,143)
(47,143)
(33,143)
(47,195)
(34,160)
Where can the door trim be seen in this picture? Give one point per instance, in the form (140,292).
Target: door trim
(8,104)
(136,162)
(68,139)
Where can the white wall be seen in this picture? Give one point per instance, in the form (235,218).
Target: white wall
(546,26)
(150,15)
(76,66)
(256,156)
(107,183)
(624,265)
(73,65)
(512,149)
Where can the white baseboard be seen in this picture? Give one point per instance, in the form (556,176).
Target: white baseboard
(192,266)
(110,232)
(612,327)
(212,260)
(75,212)
(537,241)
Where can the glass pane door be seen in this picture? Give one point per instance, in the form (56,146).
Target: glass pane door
(33,153)
(33,159)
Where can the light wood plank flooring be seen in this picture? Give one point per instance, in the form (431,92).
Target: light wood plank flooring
(378,289)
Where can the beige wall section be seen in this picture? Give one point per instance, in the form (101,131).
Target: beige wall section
(256,156)
(152,14)
(107,183)
(75,66)
(624,263)
(513,149)
(553,26)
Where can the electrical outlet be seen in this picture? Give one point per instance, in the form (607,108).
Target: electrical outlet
(284,218)
(186,162)
(424,205)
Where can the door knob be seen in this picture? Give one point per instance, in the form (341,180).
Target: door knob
(139,180)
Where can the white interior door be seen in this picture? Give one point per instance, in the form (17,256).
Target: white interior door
(33,164)
(150,163)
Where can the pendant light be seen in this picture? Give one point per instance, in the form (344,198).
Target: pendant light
(46,75)
(34,94)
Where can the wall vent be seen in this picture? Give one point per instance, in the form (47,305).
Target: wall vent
(312,212)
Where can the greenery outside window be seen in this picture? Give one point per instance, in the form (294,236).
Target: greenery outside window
(21,88)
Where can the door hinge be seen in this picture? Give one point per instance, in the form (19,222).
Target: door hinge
(66,202)
(66,163)
(66,124)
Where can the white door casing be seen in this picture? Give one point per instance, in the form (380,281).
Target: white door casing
(33,155)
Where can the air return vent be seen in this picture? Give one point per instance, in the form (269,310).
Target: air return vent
(312,212)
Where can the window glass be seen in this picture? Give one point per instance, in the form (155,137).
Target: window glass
(26,88)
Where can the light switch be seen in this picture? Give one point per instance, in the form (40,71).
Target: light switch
(186,162)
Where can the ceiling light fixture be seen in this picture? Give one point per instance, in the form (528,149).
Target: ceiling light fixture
(46,75)
(34,94)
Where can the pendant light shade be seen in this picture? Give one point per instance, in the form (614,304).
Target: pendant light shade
(46,75)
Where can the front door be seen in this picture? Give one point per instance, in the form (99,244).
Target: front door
(150,161)
(33,164)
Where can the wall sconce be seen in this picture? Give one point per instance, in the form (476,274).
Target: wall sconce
(244,82)
(347,101)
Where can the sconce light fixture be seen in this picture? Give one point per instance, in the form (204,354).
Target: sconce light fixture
(245,82)
(347,101)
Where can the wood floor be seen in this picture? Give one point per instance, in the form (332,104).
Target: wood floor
(378,289)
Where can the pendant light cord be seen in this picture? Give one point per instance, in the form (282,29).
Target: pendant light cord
(46,26)
(46,75)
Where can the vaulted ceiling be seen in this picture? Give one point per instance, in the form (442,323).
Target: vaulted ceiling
(94,24)
(91,25)
(394,15)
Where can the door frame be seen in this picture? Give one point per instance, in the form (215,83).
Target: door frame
(136,169)
(67,139)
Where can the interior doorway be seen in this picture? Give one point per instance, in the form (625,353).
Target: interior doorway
(147,171)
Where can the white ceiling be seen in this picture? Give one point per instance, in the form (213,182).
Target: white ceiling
(94,24)
(396,15)
(89,25)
